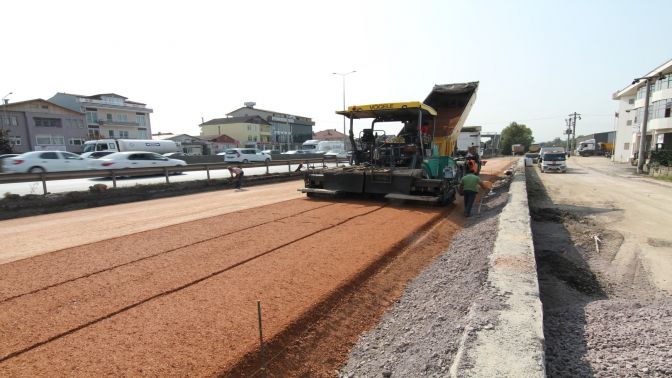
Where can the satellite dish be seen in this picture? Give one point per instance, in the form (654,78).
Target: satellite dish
(250,104)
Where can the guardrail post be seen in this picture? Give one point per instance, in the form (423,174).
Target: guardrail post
(289,166)
(165,171)
(207,169)
(114,179)
(324,163)
(44,184)
(266,162)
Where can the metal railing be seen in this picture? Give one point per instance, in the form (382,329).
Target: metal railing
(13,178)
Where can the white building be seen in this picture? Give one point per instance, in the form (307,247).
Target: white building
(631,113)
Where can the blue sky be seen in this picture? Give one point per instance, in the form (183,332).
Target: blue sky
(537,61)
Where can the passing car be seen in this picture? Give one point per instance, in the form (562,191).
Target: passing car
(296,152)
(175,155)
(45,161)
(134,159)
(3,157)
(338,154)
(244,155)
(95,154)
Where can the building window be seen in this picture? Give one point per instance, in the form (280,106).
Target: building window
(76,141)
(122,118)
(91,117)
(142,134)
(9,121)
(47,122)
(631,101)
(109,117)
(629,123)
(43,139)
(94,133)
(110,133)
(59,140)
(15,140)
(123,134)
(113,100)
(626,146)
(140,119)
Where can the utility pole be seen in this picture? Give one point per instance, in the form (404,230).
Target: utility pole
(641,156)
(573,118)
(568,132)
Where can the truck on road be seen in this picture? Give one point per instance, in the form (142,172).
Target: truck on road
(591,147)
(322,146)
(122,145)
(517,149)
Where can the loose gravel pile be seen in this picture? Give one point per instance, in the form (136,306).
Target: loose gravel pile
(420,334)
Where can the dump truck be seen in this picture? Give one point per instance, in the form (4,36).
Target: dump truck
(592,148)
(517,149)
(414,164)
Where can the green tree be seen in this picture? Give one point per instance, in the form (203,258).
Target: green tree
(516,133)
(6,147)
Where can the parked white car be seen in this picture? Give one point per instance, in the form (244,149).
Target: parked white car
(134,159)
(45,161)
(244,155)
(338,154)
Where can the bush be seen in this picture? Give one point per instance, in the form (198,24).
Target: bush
(663,157)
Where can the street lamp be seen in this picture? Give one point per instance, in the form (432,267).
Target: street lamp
(642,138)
(343,75)
(4,107)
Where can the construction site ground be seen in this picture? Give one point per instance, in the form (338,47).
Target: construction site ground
(170,286)
(604,255)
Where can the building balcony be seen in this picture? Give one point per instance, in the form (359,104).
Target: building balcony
(110,105)
(107,122)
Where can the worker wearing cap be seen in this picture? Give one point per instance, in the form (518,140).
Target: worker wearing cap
(237,173)
(469,188)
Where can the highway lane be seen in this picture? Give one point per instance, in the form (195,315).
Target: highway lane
(62,186)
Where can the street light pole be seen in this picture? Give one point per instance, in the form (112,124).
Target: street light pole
(4,107)
(343,75)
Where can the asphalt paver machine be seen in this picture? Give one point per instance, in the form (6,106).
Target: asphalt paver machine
(414,164)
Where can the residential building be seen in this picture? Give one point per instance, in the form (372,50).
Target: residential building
(630,114)
(223,143)
(190,145)
(250,130)
(38,124)
(333,134)
(288,131)
(109,115)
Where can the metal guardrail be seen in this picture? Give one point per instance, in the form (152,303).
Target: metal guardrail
(13,178)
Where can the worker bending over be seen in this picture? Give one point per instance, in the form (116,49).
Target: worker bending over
(237,173)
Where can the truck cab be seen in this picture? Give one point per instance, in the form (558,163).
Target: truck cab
(553,162)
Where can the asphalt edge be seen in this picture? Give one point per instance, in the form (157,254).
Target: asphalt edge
(507,340)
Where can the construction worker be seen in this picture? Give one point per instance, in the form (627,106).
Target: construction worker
(469,189)
(237,173)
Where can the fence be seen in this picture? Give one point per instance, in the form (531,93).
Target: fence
(12,178)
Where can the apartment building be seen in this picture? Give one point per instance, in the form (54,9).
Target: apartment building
(288,131)
(38,124)
(109,115)
(249,131)
(630,114)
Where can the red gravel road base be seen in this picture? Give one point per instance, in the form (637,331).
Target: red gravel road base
(181,300)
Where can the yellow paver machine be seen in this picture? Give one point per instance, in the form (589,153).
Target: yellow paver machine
(416,163)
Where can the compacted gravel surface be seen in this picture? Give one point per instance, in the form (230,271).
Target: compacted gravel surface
(599,321)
